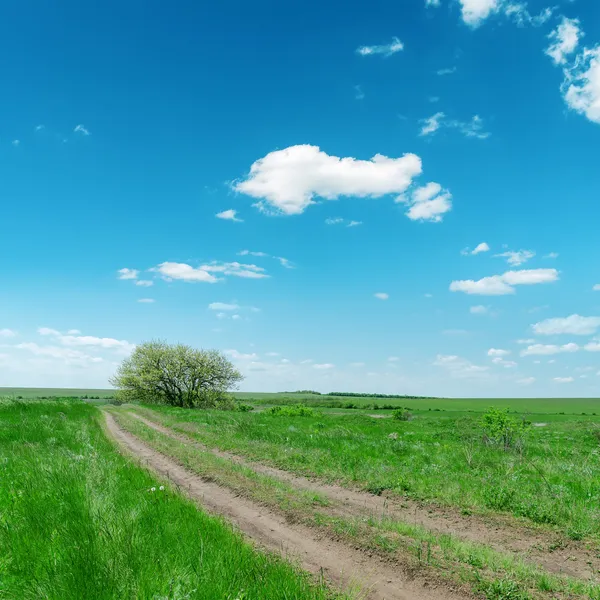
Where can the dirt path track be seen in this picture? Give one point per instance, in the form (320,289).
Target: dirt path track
(345,567)
(570,559)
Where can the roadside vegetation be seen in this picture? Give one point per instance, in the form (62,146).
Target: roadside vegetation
(78,520)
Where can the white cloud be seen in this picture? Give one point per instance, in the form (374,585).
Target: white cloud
(74,332)
(431,124)
(48,331)
(447,71)
(472,128)
(393,359)
(574,324)
(519,13)
(381,295)
(81,129)
(497,352)
(146,300)
(128,273)
(144,283)
(358,92)
(507,364)
(272,354)
(516,258)
(564,40)
(474,12)
(323,366)
(16,142)
(479,310)
(385,49)
(288,180)
(69,355)
(546,349)
(240,355)
(249,253)
(357,364)
(581,87)
(526,381)
(563,379)
(527,341)
(185,272)
(483,247)
(236,317)
(204,273)
(340,221)
(432,2)
(229,215)
(460,368)
(284,262)
(596,288)
(500,285)
(428,203)
(39,127)
(551,255)
(7,333)
(592,347)
(223,306)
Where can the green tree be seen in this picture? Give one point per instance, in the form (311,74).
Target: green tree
(178,375)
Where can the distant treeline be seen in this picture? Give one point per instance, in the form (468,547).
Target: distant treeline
(357,395)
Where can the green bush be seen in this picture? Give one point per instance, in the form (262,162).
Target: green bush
(401,414)
(500,429)
(299,410)
(245,407)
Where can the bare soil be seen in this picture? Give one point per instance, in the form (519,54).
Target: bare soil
(544,548)
(346,568)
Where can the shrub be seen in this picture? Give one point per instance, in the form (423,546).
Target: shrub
(245,407)
(401,414)
(299,410)
(499,428)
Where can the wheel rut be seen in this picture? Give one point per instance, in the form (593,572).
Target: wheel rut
(567,558)
(344,567)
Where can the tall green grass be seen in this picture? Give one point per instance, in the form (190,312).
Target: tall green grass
(554,481)
(77,520)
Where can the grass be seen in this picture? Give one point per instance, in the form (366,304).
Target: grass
(49,393)
(554,482)
(479,566)
(78,520)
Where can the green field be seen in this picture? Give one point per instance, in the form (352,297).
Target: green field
(77,520)
(539,406)
(554,479)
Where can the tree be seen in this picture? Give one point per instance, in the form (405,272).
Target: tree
(178,375)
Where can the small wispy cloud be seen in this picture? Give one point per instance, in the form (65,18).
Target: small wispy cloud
(516,258)
(340,221)
(359,94)
(39,127)
(128,273)
(146,300)
(284,262)
(483,247)
(447,71)
(381,296)
(144,283)
(384,49)
(472,128)
(16,142)
(229,215)
(81,129)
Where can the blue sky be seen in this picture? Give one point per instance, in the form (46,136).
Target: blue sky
(400,197)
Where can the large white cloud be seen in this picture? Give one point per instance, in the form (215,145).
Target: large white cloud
(501,285)
(288,181)
(87,340)
(573,324)
(582,84)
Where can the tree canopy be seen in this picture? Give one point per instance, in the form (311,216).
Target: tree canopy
(177,375)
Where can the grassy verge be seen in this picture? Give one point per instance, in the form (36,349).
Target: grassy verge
(552,483)
(78,520)
(443,555)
